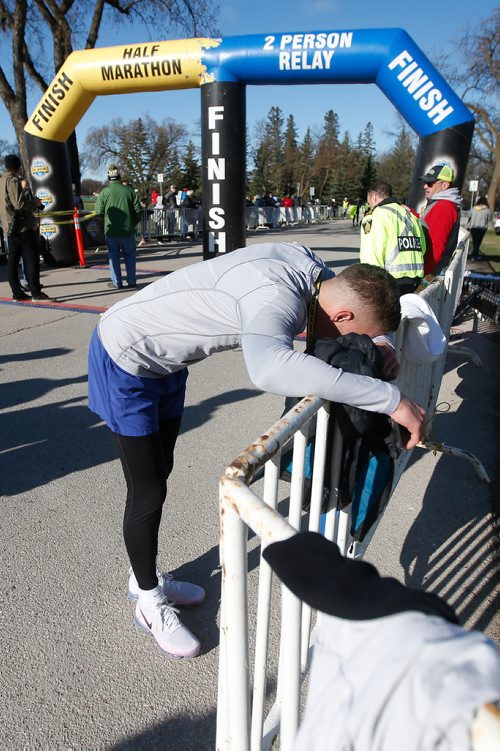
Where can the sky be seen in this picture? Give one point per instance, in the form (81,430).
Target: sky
(432,24)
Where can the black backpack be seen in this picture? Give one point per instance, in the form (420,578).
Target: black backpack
(371,440)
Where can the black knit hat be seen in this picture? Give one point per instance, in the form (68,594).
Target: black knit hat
(12,161)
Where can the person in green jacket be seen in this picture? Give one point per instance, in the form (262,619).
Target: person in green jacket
(393,238)
(120,207)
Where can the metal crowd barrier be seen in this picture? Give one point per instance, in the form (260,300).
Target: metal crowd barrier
(170,223)
(274,217)
(254,707)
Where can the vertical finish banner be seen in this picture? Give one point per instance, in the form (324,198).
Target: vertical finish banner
(223,164)
(222,68)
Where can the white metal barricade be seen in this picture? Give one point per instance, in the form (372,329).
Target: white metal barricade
(269,217)
(162,222)
(250,719)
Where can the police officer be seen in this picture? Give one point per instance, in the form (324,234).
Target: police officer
(392,237)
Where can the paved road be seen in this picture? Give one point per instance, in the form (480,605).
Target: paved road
(75,673)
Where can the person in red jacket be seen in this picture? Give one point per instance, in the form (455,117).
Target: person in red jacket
(440,217)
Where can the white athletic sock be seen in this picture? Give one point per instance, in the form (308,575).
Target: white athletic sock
(150,598)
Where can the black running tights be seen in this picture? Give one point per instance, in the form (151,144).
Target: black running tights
(146,462)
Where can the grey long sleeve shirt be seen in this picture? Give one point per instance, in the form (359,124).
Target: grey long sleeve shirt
(255,298)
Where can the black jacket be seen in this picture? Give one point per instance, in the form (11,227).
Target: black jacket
(371,441)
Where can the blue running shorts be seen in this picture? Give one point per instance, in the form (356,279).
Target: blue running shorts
(128,404)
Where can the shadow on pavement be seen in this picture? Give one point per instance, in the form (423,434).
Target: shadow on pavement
(49,441)
(200,413)
(175,733)
(452,547)
(54,439)
(39,355)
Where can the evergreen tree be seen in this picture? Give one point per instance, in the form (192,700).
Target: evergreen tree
(274,137)
(367,151)
(327,156)
(305,165)
(191,168)
(347,179)
(396,166)
(268,156)
(261,163)
(134,153)
(173,170)
(290,157)
(368,141)
(369,174)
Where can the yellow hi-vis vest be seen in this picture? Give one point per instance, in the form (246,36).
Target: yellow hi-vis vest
(393,238)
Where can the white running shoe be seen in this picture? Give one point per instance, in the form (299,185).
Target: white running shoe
(177,592)
(172,636)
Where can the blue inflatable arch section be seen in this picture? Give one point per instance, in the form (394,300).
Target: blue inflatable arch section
(387,57)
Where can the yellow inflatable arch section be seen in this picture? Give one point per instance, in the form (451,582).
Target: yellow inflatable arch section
(127,69)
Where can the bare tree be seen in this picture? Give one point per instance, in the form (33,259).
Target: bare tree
(6,147)
(29,27)
(475,75)
(142,148)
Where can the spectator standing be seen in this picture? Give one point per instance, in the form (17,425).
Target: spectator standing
(171,198)
(187,205)
(345,206)
(28,195)
(19,223)
(159,215)
(77,200)
(188,201)
(392,237)
(480,217)
(359,210)
(440,217)
(144,220)
(120,207)
(171,204)
(257,298)
(154,196)
(287,215)
(355,212)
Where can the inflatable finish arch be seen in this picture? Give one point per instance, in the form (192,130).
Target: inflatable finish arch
(222,68)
